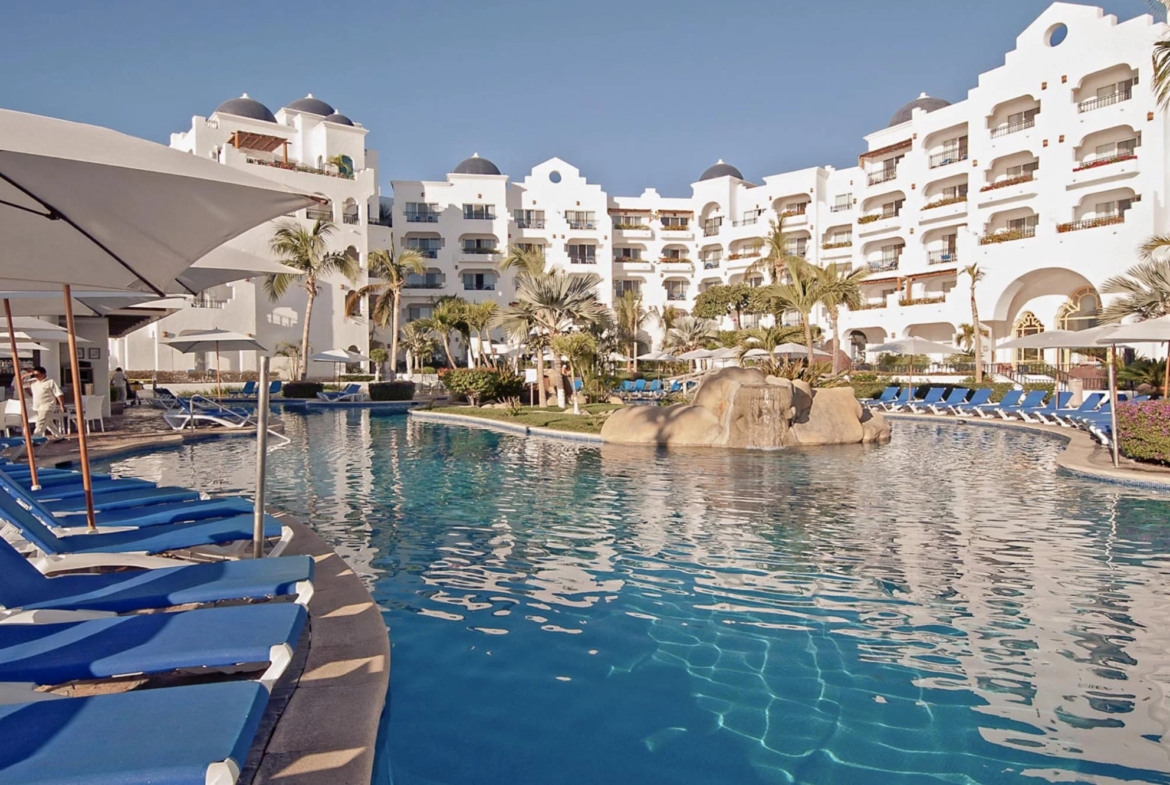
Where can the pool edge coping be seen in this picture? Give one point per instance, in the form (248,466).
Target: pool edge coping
(504,427)
(1074,459)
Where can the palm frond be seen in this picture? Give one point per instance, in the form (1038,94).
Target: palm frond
(276,285)
(1161,59)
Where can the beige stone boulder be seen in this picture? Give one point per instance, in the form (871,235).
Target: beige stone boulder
(833,417)
(680,426)
(874,427)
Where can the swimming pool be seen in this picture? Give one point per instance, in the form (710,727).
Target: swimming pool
(944,608)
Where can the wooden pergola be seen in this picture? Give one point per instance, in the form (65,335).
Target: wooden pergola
(247,140)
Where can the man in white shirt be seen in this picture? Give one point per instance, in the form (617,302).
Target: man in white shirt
(47,404)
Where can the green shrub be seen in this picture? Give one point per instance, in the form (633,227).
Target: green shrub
(301,389)
(428,369)
(868,385)
(1143,431)
(391,391)
(482,384)
(356,377)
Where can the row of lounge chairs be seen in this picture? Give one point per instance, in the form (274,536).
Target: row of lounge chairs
(643,389)
(1036,406)
(59,625)
(180,412)
(250,390)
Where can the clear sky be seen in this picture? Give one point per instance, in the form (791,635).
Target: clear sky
(637,94)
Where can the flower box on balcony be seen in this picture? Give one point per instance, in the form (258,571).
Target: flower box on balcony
(630,227)
(831,246)
(944,202)
(1092,223)
(1024,178)
(1113,159)
(922,300)
(792,212)
(869,306)
(1006,236)
(868,219)
(676,228)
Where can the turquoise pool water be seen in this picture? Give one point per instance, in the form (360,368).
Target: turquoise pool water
(945,608)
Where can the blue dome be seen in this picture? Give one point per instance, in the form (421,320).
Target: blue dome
(311,105)
(476,165)
(339,118)
(720,169)
(246,107)
(923,102)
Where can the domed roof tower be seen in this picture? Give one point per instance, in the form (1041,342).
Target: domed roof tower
(246,107)
(720,169)
(475,165)
(923,102)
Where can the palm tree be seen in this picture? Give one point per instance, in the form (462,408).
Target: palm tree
(629,316)
(305,249)
(976,275)
(775,258)
(580,349)
(689,333)
(292,353)
(839,286)
(801,294)
(525,260)
(1162,72)
(1144,289)
(519,322)
(418,339)
(392,268)
(766,338)
(667,316)
(447,317)
(479,317)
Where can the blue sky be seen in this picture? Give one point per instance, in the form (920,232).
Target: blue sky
(634,93)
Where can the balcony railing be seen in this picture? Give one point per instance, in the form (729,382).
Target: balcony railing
(831,246)
(940,298)
(533,224)
(426,253)
(422,218)
(793,210)
(676,228)
(750,254)
(747,221)
(884,264)
(948,157)
(882,176)
(868,219)
(1007,235)
(1023,178)
(676,296)
(582,225)
(428,284)
(474,250)
(1090,223)
(673,260)
(946,200)
(870,306)
(574,259)
(942,257)
(711,231)
(1105,100)
(292,167)
(318,214)
(629,259)
(1105,161)
(483,287)
(712,264)
(631,227)
(1011,128)
(840,208)
(351,218)
(208,302)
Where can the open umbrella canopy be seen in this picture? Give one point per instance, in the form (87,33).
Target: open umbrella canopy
(618,357)
(1148,331)
(913,345)
(49,302)
(796,350)
(697,354)
(339,356)
(91,207)
(724,353)
(195,341)
(24,348)
(1042,340)
(224,265)
(752,354)
(1061,339)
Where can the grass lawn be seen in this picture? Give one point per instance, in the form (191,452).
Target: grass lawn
(534,416)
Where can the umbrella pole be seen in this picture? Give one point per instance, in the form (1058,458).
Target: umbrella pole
(261,461)
(78,405)
(1113,405)
(1166,374)
(218,384)
(25,428)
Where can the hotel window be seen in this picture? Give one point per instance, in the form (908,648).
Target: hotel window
(1026,224)
(421,212)
(581,219)
(1112,209)
(475,245)
(750,217)
(797,247)
(837,238)
(416,312)
(621,287)
(1124,87)
(1125,147)
(954,192)
(711,226)
(1023,169)
(676,290)
(676,221)
(582,253)
(842,202)
(891,209)
(891,253)
(1020,118)
(529,219)
(479,212)
(629,221)
(427,280)
(427,246)
(627,254)
(674,255)
(479,282)
(530,247)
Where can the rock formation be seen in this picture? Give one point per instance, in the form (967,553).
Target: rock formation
(741,407)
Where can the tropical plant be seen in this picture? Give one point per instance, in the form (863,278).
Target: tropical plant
(1144,289)
(482,384)
(292,353)
(766,338)
(447,317)
(379,356)
(774,259)
(525,260)
(689,333)
(819,374)
(839,286)
(479,317)
(667,316)
(519,322)
(1161,81)
(305,249)
(801,294)
(1144,371)
(629,316)
(719,301)
(976,275)
(580,349)
(392,268)
(417,338)
(1142,432)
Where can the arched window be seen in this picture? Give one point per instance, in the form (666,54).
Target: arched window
(1028,324)
(1082,311)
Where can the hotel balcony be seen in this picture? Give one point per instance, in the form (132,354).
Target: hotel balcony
(1012,128)
(633,264)
(479,255)
(533,224)
(671,233)
(882,265)
(633,231)
(942,257)
(948,157)
(942,209)
(422,218)
(1093,104)
(295,167)
(835,250)
(319,214)
(876,223)
(882,176)
(582,260)
(669,265)
(1090,223)
(1094,169)
(711,264)
(1012,188)
(1007,235)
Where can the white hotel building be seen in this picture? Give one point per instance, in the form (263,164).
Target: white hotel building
(1049,174)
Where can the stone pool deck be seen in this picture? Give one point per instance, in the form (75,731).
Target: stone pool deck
(518,429)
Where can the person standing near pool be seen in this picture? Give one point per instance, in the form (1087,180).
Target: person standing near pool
(47,403)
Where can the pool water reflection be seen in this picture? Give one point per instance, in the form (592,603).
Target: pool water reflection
(943,608)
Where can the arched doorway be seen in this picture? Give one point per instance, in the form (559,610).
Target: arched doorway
(1027,324)
(857,344)
(1082,311)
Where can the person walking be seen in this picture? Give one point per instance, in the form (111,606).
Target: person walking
(120,383)
(48,404)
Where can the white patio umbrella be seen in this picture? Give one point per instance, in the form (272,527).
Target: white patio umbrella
(87,207)
(1147,331)
(752,354)
(696,354)
(790,349)
(618,357)
(912,346)
(24,349)
(339,357)
(197,341)
(224,265)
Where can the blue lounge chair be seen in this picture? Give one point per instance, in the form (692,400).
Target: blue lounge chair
(1063,416)
(24,588)
(933,395)
(675,387)
(627,387)
(639,388)
(654,389)
(147,540)
(173,736)
(899,401)
(248,390)
(957,396)
(198,410)
(886,396)
(60,652)
(1058,401)
(1031,400)
(979,398)
(988,410)
(350,393)
(275,386)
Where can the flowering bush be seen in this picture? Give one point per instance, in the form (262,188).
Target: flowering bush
(944,202)
(831,246)
(1090,223)
(868,219)
(1006,236)
(1024,178)
(1113,159)
(1143,431)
